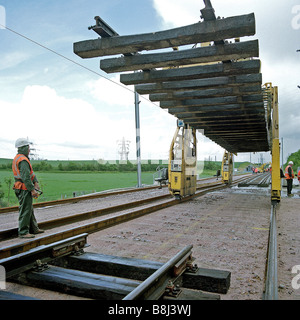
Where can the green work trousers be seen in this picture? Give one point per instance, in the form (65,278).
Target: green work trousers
(27,221)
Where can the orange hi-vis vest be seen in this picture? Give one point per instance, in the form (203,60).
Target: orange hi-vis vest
(19,184)
(287,176)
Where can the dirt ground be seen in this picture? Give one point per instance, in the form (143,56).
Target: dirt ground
(288,230)
(228,230)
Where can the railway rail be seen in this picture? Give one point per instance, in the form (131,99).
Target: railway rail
(88,197)
(117,214)
(258,180)
(271,283)
(61,249)
(64,266)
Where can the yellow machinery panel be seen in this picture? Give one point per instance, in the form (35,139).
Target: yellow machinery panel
(227,167)
(183,161)
(272,102)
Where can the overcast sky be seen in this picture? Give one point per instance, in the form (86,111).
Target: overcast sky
(70,112)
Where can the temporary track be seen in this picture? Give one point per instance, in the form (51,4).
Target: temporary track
(116,214)
(242,224)
(271,286)
(96,195)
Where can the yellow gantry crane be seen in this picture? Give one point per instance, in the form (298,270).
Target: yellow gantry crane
(271,100)
(183,161)
(227,167)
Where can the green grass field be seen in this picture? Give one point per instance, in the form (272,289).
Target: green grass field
(58,185)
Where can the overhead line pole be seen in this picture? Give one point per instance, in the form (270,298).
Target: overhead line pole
(105,31)
(138,139)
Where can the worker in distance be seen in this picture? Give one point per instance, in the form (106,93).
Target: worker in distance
(26,188)
(289,176)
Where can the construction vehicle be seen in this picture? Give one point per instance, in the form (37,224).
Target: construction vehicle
(263,167)
(183,161)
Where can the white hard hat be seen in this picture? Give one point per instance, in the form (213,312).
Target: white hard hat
(291,162)
(21,142)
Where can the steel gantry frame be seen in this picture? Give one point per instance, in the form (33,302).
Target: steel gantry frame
(216,88)
(271,103)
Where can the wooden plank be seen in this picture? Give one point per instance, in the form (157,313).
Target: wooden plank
(227,120)
(233,133)
(208,280)
(206,93)
(110,265)
(199,102)
(221,82)
(222,124)
(234,116)
(218,119)
(89,285)
(211,101)
(232,27)
(218,115)
(224,52)
(194,72)
(139,269)
(216,108)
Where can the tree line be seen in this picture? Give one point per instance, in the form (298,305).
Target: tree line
(117,166)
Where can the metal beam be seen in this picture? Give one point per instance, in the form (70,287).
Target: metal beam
(45,253)
(154,286)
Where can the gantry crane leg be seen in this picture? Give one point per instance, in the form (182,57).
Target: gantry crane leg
(276,179)
(227,167)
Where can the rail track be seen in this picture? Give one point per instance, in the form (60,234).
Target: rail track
(160,281)
(97,195)
(114,215)
(64,267)
(271,282)
(260,180)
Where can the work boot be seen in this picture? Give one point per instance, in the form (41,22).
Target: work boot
(38,231)
(26,236)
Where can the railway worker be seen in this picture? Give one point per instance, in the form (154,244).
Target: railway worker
(289,176)
(26,187)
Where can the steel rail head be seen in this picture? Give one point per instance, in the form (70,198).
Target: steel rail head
(141,291)
(44,253)
(271,281)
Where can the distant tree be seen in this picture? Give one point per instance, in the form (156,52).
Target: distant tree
(295,157)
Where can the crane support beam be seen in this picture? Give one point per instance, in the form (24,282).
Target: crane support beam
(276,179)
(227,28)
